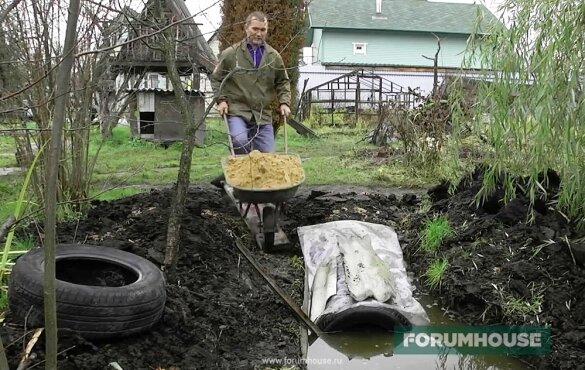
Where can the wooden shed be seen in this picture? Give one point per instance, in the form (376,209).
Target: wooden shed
(153,112)
(157,116)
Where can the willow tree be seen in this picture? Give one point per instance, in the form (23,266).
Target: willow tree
(286,28)
(534,100)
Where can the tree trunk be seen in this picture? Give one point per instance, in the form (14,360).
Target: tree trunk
(105,114)
(61,99)
(177,207)
(80,129)
(191,127)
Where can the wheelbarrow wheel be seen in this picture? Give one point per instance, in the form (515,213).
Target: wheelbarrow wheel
(268,227)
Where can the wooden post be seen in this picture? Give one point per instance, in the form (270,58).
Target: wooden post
(357,98)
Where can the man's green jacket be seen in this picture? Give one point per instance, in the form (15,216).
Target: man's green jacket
(249,91)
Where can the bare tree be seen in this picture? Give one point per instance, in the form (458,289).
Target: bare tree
(166,32)
(435,60)
(177,207)
(62,91)
(8,9)
(113,100)
(35,46)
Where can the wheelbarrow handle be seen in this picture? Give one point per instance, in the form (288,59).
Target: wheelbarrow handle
(227,127)
(285,135)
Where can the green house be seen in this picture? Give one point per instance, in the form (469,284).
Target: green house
(397,39)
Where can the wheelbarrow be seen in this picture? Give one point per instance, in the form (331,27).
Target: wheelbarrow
(259,207)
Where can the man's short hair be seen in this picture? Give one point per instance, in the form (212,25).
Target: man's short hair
(259,16)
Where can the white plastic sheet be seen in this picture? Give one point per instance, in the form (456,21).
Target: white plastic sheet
(353,263)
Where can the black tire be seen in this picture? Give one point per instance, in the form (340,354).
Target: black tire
(131,304)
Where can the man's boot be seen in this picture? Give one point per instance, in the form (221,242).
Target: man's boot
(219,181)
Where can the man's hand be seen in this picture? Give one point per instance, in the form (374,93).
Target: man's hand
(222,108)
(284,110)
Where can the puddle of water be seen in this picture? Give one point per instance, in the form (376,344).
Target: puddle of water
(372,348)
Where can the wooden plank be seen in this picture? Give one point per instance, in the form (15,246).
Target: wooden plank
(146,101)
(300,128)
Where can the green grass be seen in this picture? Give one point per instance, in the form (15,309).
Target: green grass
(297,263)
(126,160)
(17,245)
(7,151)
(425,204)
(126,165)
(22,244)
(518,306)
(330,159)
(9,187)
(3,300)
(435,272)
(434,232)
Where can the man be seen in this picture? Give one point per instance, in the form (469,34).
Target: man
(247,77)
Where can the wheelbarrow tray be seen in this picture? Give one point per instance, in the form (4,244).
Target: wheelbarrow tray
(261,195)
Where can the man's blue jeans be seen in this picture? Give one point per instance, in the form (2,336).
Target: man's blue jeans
(247,136)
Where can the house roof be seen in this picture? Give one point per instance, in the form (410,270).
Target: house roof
(399,15)
(118,25)
(167,91)
(205,56)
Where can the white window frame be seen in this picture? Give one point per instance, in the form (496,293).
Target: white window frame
(364,48)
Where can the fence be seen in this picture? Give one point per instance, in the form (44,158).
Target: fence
(358,92)
(361,91)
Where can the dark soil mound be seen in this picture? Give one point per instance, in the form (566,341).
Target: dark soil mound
(505,270)
(220,314)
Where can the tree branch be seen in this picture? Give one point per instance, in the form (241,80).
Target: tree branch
(8,9)
(146,35)
(6,226)
(435,65)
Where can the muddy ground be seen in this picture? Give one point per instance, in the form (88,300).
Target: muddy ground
(221,314)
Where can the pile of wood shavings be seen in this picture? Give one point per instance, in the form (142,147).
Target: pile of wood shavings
(264,171)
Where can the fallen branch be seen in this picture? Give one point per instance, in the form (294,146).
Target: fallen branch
(60,353)
(570,250)
(31,343)
(10,221)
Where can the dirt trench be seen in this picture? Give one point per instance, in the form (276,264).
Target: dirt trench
(221,314)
